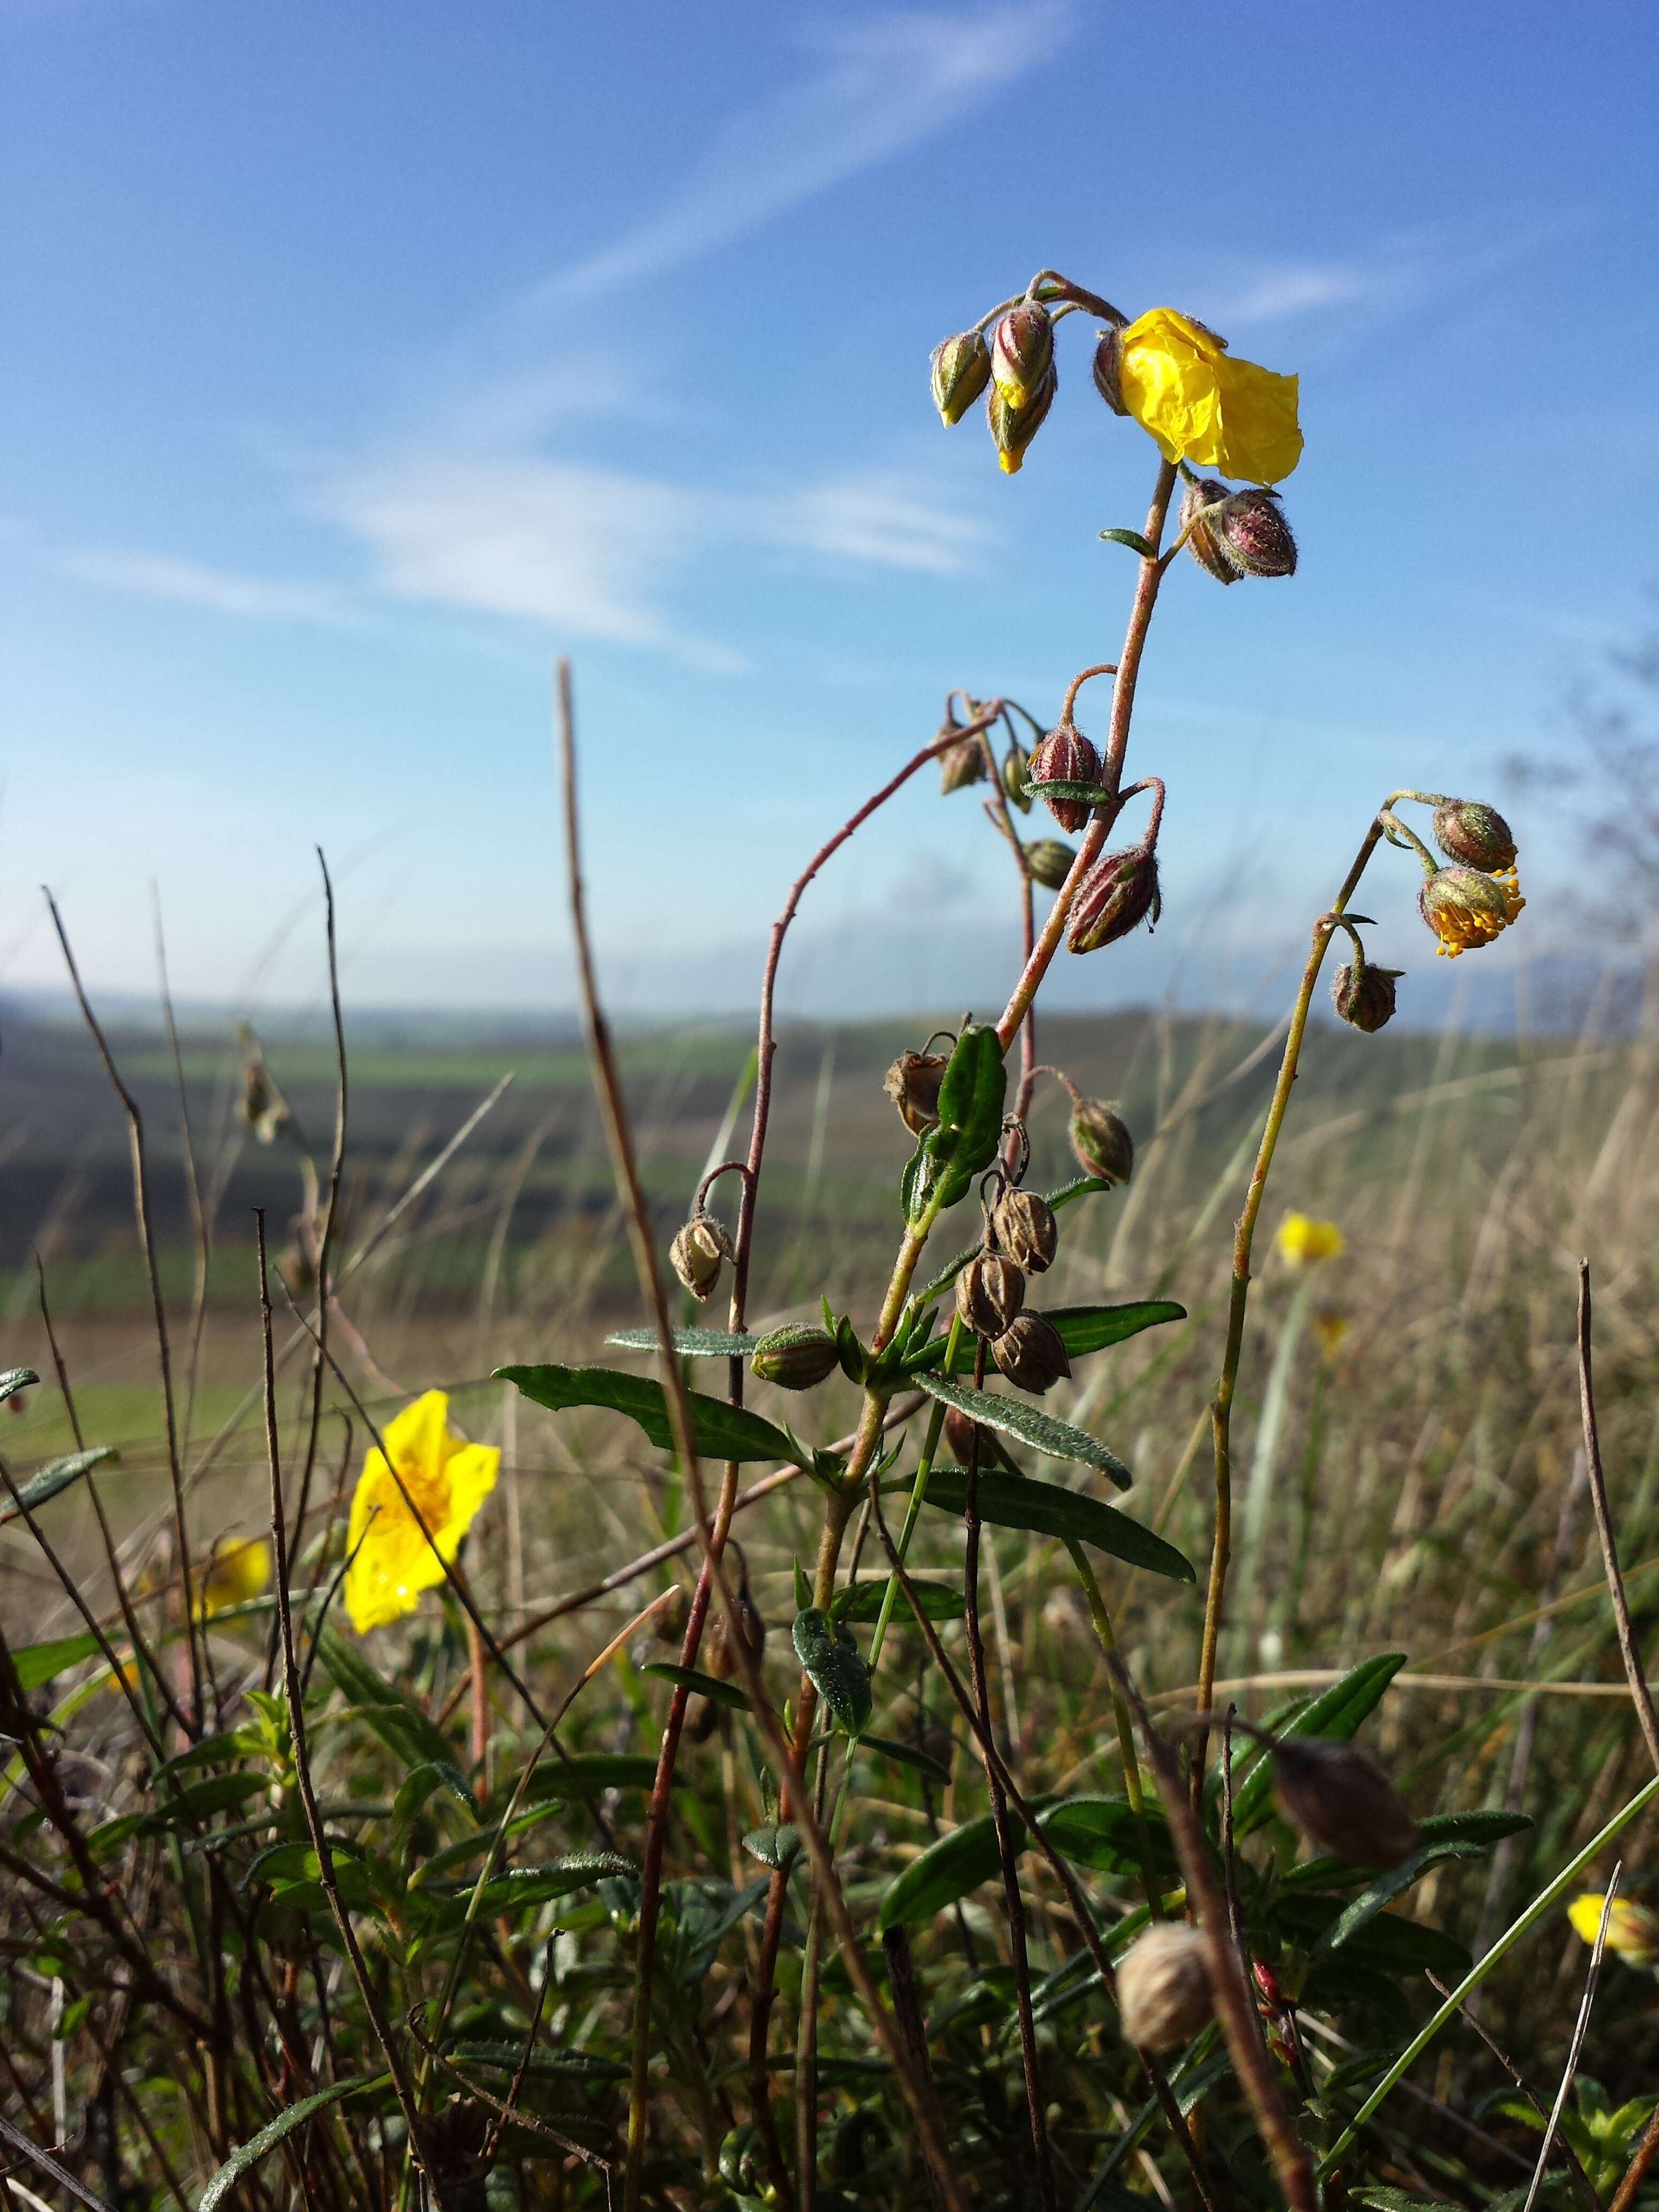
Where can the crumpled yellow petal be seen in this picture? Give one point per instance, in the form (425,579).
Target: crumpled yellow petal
(1182,385)
(447,1479)
(420,1432)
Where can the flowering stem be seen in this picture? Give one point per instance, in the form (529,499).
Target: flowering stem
(1221,1409)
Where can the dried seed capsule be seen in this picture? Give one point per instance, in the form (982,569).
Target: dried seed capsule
(1030,1354)
(798,1358)
(1203,538)
(1026,1230)
(1049,859)
(1015,769)
(961,370)
(696,1253)
(959,1437)
(1341,1802)
(1365,1000)
(1022,352)
(1117,894)
(912,1083)
(963,765)
(1065,755)
(1164,1987)
(990,1291)
(1465,909)
(1474,833)
(1100,1140)
(1107,383)
(1012,428)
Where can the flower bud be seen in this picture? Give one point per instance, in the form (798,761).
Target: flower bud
(1022,352)
(961,765)
(1016,768)
(1341,1802)
(696,1253)
(297,1268)
(961,371)
(1117,894)
(1107,383)
(1025,1227)
(1364,998)
(1050,861)
(959,1432)
(1012,428)
(797,1358)
(912,1083)
(1164,1987)
(1465,909)
(1101,1142)
(1237,533)
(1065,755)
(1467,830)
(1030,1354)
(990,1291)
(1203,541)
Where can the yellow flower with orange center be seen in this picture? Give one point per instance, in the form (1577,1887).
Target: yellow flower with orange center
(395,1555)
(1183,386)
(1466,908)
(1632,1929)
(236,1572)
(1305,1243)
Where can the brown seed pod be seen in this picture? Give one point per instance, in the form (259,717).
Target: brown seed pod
(912,1083)
(1030,1354)
(697,1252)
(1025,1227)
(990,1291)
(1100,1140)
(959,1437)
(1365,1000)
(1117,894)
(961,765)
(1164,1987)
(1065,755)
(1341,1802)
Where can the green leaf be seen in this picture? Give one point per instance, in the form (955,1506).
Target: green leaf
(951,1867)
(398,1721)
(585,1770)
(1045,1509)
(291,2116)
(908,1754)
(964,1139)
(216,1793)
(775,1845)
(37,1662)
(1336,1714)
(694,1679)
(1084,1329)
(509,2056)
(1100,1831)
(418,1784)
(862,1601)
(1060,786)
(722,1432)
(836,1667)
(1134,540)
(57,1475)
(1392,1945)
(16,1378)
(1434,1851)
(1030,1423)
(519,1888)
(690,1343)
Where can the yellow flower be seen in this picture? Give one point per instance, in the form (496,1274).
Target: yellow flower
(1465,909)
(1305,1242)
(1330,1326)
(236,1572)
(447,1479)
(1179,382)
(1632,1930)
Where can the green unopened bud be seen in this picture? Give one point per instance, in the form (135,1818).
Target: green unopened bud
(961,370)
(697,1251)
(1164,1987)
(1050,861)
(1016,768)
(1024,1225)
(912,1083)
(1012,428)
(1065,755)
(1030,1354)
(962,765)
(1022,353)
(1107,382)
(990,1291)
(1117,894)
(1101,1142)
(1342,1802)
(797,1358)
(1474,833)
(1364,996)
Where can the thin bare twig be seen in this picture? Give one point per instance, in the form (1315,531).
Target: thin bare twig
(1638,1687)
(1590,1979)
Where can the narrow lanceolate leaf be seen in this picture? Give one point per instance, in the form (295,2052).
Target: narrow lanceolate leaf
(37,1662)
(1390,1944)
(1134,540)
(57,1475)
(690,1343)
(1084,1329)
(863,1601)
(292,2115)
(836,1667)
(1336,1714)
(397,1720)
(693,1678)
(1014,1501)
(908,1754)
(1102,1831)
(1060,786)
(722,1432)
(1030,1423)
(13,1379)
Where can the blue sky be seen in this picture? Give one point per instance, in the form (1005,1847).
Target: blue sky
(359,360)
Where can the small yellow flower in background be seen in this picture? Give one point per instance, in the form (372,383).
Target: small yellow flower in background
(1305,1243)
(236,1572)
(1466,908)
(447,1479)
(1180,383)
(1632,1930)
(1330,1328)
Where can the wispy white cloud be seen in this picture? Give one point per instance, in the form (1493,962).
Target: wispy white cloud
(189,583)
(883,85)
